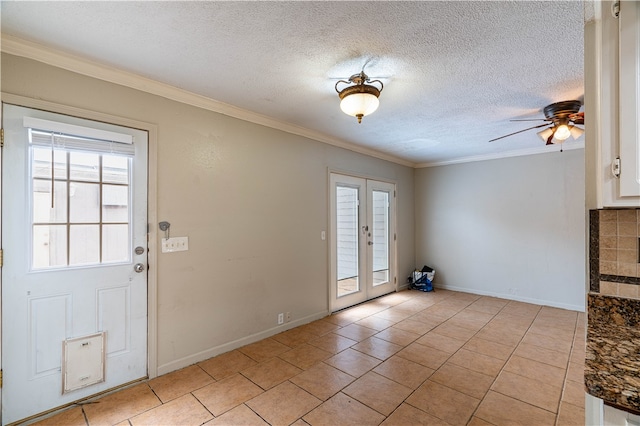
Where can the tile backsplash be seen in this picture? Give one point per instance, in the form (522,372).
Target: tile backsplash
(614,252)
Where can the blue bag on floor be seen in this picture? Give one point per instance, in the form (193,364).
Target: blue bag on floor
(422,280)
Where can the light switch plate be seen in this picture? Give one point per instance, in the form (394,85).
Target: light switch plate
(170,245)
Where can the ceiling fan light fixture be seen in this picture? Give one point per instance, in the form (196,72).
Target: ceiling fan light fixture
(562,118)
(361,98)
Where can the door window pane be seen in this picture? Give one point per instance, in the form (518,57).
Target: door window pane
(347,240)
(380,237)
(115,203)
(84,244)
(49,246)
(41,163)
(115,243)
(115,169)
(91,210)
(42,210)
(84,202)
(84,166)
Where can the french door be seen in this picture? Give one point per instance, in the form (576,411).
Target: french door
(362,221)
(74,279)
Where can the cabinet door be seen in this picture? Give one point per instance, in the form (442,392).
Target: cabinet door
(630,99)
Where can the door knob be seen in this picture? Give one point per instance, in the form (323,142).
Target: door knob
(370,243)
(138,267)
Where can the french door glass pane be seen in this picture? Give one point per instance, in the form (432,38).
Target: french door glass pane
(49,246)
(84,244)
(380,237)
(347,240)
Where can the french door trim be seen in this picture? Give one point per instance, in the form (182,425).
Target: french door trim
(152,204)
(332,298)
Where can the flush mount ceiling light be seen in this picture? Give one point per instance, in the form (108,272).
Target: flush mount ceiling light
(361,98)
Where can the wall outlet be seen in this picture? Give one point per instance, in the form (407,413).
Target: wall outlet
(280,319)
(169,245)
(287,316)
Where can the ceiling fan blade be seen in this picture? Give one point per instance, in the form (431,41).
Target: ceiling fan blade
(519,131)
(370,77)
(550,138)
(530,119)
(577,118)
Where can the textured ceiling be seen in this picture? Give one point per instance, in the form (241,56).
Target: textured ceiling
(454,72)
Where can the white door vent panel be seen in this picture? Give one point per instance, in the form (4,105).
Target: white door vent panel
(83,361)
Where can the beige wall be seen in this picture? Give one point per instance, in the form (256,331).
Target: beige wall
(251,199)
(511,228)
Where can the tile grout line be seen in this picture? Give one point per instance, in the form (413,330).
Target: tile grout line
(404,401)
(511,355)
(501,368)
(449,357)
(566,374)
(404,346)
(557,414)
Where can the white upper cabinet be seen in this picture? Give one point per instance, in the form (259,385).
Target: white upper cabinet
(612,103)
(629,119)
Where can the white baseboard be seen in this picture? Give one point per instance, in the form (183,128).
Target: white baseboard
(217,350)
(543,302)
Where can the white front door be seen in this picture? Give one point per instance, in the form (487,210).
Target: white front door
(362,216)
(74,279)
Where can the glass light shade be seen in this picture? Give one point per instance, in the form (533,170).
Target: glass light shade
(359,104)
(544,134)
(576,132)
(562,132)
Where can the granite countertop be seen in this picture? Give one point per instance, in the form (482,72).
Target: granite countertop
(612,364)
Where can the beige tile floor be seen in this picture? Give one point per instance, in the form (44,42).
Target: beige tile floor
(408,358)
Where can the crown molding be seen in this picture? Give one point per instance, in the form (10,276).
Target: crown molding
(26,49)
(544,149)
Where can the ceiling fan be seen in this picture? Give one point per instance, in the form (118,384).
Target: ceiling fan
(562,117)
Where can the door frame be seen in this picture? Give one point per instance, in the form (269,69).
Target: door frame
(330,241)
(152,204)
